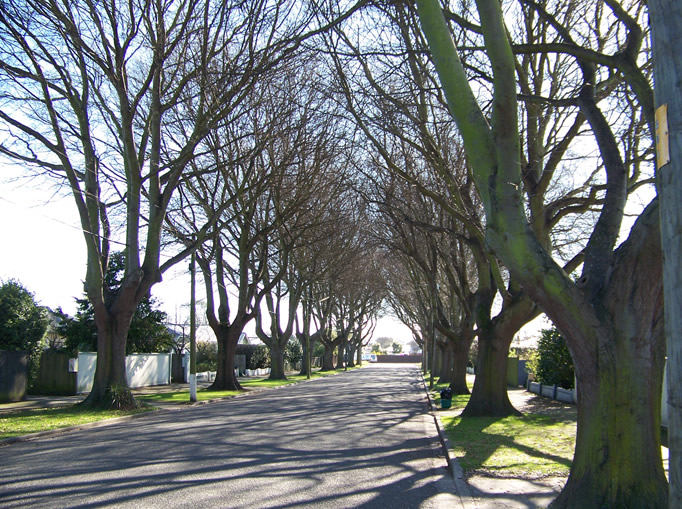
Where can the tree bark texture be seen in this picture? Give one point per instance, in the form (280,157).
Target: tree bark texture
(228,337)
(328,358)
(304,357)
(112,334)
(277,371)
(458,375)
(489,395)
(617,460)
(444,365)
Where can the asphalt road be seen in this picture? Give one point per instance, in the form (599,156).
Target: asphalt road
(357,439)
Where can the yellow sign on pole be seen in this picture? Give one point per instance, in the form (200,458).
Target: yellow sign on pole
(662,146)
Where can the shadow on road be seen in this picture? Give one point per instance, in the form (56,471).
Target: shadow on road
(360,439)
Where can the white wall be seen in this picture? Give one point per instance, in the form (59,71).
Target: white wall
(87,362)
(141,369)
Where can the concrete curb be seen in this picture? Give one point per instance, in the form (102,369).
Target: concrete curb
(463,490)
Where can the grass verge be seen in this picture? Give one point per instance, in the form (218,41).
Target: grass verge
(529,446)
(181,397)
(24,422)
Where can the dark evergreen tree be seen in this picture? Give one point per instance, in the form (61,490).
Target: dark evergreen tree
(22,323)
(147,333)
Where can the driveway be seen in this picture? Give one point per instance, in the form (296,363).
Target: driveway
(358,439)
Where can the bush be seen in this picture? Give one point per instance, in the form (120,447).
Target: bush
(22,323)
(260,358)
(119,397)
(293,352)
(207,356)
(552,363)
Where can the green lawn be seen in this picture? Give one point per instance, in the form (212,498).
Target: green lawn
(24,422)
(529,446)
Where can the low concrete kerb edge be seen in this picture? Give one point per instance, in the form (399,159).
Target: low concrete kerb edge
(456,470)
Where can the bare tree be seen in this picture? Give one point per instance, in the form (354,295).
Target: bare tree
(114,101)
(611,317)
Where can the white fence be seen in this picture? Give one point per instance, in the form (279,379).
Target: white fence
(141,369)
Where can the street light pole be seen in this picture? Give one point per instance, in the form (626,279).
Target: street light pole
(192,335)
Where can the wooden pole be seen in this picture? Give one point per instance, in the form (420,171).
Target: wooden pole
(665,18)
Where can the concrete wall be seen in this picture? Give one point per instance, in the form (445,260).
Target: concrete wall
(148,369)
(142,370)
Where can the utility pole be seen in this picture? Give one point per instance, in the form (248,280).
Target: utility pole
(665,20)
(192,335)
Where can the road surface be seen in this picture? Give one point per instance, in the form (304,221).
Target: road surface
(357,439)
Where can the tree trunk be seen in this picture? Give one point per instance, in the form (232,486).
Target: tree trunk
(225,379)
(340,357)
(304,357)
(110,373)
(617,460)
(328,358)
(444,368)
(489,396)
(277,361)
(351,356)
(460,358)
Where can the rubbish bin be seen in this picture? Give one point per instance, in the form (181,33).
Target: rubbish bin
(446,398)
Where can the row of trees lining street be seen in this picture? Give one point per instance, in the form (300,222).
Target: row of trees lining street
(469,165)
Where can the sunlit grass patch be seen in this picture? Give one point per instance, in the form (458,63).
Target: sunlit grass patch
(207,395)
(183,396)
(24,422)
(528,446)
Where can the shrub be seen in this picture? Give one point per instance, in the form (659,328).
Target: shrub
(207,356)
(22,323)
(260,358)
(552,363)
(293,352)
(119,397)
